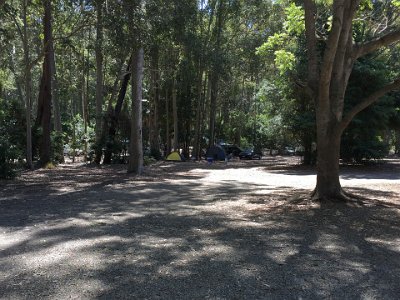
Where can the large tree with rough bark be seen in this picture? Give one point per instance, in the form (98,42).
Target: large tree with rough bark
(45,92)
(328,77)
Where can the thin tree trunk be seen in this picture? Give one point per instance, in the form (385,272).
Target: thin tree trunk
(28,88)
(154,122)
(56,103)
(99,77)
(136,141)
(175,116)
(213,106)
(215,71)
(196,146)
(203,115)
(167,129)
(85,102)
(206,108)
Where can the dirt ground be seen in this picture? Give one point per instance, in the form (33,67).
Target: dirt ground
(241,230)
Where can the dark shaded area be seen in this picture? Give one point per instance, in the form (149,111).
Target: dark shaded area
(103,234)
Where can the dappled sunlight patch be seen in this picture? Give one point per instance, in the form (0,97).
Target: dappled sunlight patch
(259,176)
(12,239)
(361,267)
(82,288)
(65,190)
(157,242)
(237,226)
(74,252)
(281,255)
(391,244)
(333,244)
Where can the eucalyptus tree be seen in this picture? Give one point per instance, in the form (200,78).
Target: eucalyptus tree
(328,78)
(19,33)
(45,93)
(135,15)
(99,73)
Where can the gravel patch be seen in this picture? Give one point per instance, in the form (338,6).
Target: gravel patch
(242,230)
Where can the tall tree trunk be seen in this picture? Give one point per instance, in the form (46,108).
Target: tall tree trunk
(28,88)
(205,108)
(84,98)
(56,102)
(213,106)
(154,114)
(45,89)
(216,66)
(167,129)
(196,146)
(99,77)
(54,83)
(175,116)
(136,141)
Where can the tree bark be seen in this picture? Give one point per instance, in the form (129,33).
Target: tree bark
(56,103)
(328,154)
(328,87)
(99,77)
(213,107)
(28,88)
(196,146)
(167,129)
(155,99)
(216,65)
(45,90)
(175,116)
(135,164)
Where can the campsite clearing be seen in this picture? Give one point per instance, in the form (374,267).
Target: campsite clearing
(244,230)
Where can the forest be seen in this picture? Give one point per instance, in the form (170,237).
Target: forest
(99,79)
(282,120)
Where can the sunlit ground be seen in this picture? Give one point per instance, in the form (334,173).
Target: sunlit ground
(241,230)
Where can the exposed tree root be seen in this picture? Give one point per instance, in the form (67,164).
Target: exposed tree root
(340,196)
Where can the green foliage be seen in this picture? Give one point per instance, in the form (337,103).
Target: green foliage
(283,45)
(7,160)
(258,40)
(76,134)
(274,41)
(294,23)
(57,142)
(12,138)
(364,139)
(396,3)
(284,60)
(148,160)
(366,5)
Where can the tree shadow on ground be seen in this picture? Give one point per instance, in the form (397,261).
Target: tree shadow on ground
(124,237)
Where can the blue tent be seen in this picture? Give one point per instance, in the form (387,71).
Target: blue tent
(215,152)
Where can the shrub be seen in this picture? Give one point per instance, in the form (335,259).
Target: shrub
(7,165)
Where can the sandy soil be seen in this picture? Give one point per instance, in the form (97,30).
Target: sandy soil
(242,230)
